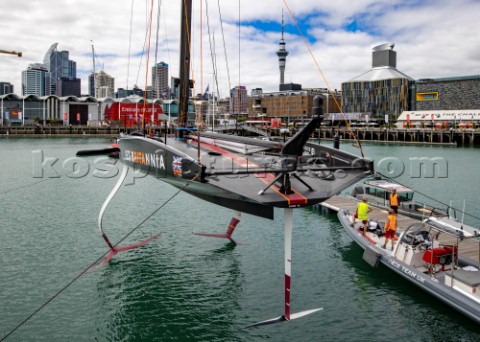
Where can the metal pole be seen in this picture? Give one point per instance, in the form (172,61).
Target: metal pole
(23,112)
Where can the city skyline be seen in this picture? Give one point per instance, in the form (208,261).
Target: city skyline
(435,41)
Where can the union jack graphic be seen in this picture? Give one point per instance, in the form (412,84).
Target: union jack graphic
(177,166)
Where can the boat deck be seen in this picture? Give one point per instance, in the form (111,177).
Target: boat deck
(469,248)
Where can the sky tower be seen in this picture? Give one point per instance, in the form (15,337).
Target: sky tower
(282,56)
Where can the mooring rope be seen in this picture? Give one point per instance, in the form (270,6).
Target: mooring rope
(95,262)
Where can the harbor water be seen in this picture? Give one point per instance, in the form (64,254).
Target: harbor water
(184,287)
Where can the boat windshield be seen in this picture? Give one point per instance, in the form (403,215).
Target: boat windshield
(384,194)
(406,196)
(428,231)
(418,233)
(383,188)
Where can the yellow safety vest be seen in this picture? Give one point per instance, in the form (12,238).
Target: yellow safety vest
(362,211)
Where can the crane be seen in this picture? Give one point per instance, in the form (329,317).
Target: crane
(19,54)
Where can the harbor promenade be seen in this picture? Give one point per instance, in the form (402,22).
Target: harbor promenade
(458,137)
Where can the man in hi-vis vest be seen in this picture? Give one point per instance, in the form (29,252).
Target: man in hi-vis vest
(390,228)
(394,201)
(362,213)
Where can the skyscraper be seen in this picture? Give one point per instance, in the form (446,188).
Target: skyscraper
(160,80)
(238,100)
(36,80)
(104,84)
(59,66)
(282,54)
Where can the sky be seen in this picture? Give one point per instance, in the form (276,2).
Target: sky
(329,42)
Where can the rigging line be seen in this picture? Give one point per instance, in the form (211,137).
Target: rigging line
(224,47)
(130,42)
(143,48)
(166,40)
(158,28)
(95,262)
(239,82)
(324,79)
(212,52)
(216,68)
(433,199)
(146,67)
(50,178)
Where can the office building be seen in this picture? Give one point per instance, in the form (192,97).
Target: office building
(67,87)
(6,88)
(60,67)
(102,84)
(36,80)
(160,80)
(238,100)
(122,93)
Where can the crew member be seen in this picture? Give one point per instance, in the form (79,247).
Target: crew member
(394,201)
(390,228)
(362,213)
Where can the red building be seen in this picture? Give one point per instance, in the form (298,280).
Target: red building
(132,114)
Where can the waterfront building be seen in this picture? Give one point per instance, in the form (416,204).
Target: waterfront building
(291,104)
(383,90)
(132,111)
(6,88)
(36,80)
(160,80)
(49,109)
(238,100)
(440,119)
(453,93)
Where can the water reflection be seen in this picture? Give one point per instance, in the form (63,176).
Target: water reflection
(160,294)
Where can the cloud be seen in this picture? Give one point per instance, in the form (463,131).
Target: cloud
(432,39)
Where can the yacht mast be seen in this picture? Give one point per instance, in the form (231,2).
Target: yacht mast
(184,65)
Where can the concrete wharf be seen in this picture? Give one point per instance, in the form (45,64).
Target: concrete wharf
(469,248)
